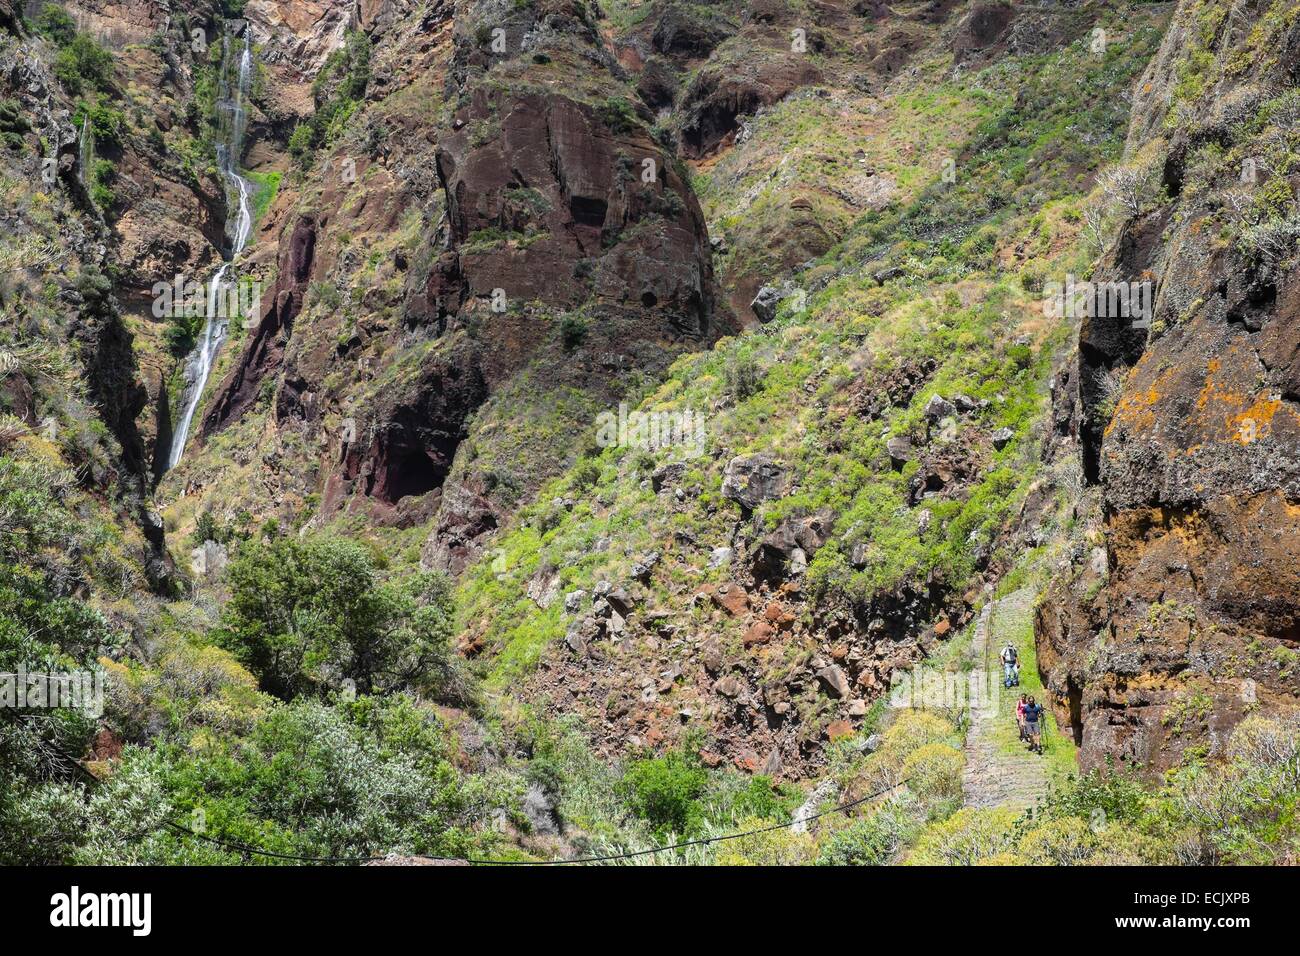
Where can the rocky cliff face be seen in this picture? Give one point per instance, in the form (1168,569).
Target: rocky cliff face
(1185,619)
(498,219)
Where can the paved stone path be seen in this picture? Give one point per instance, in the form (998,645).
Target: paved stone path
(994,778)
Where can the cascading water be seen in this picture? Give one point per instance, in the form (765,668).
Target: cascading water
(198,367)
(85,152)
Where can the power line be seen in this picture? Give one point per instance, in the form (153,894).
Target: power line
(702,841)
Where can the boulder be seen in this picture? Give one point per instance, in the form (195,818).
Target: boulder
(543,589)
(1002,437)
(620,601)
(766,302)
(900,450)
(582,632)
(773,766)
(776,615)
(833,681)
(641,569)
(666,475)
(732,598)
(760,632)
(749,480)
(785,550)
(939,408)
(729,686)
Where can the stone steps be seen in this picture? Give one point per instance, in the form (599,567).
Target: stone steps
(994,778)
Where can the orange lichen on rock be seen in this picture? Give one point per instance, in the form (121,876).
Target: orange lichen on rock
(1136,410)
(1255,421)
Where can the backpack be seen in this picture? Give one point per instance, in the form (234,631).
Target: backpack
(1009,654)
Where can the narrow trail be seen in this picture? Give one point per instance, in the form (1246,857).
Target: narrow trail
(997,775)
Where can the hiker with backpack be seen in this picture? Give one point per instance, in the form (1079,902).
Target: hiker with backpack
(1010,668)
(1033,719)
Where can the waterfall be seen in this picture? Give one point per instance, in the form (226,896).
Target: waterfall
(234,118)
(85,152)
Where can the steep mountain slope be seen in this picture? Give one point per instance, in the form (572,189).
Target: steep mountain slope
(492,246)
(873,456)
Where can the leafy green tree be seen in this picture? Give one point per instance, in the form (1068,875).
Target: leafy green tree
(55,22)
(305,616)
(665,792)
(84,64)
(353,779)
(43,628)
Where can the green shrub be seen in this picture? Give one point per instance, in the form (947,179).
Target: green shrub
(968,837)
(872,840)
(55,22)
(106,124)
(742,375)
(305,616)
(731,797)
(13,124)
(102,174)
(181,333)
(934,771)
(618,114)
(573,331)
(358,779)
(665,791)
(301,141)
(84,65)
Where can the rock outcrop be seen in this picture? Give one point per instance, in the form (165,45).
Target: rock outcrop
(1186,616)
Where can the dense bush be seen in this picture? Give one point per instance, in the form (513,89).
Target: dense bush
(871,840)
(107,124)
(665,792)
(55,22)
(966,838)
(83,65)
(308,616)
(43,628)
(350,780)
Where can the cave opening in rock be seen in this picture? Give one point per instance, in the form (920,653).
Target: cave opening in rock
(588,211)
(716,122)
(1074,694)
(649,300)
(410,473)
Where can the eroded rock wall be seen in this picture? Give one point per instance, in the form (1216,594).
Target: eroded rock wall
(1184,617)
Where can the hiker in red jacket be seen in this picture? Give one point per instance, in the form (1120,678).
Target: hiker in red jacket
(1021,704)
